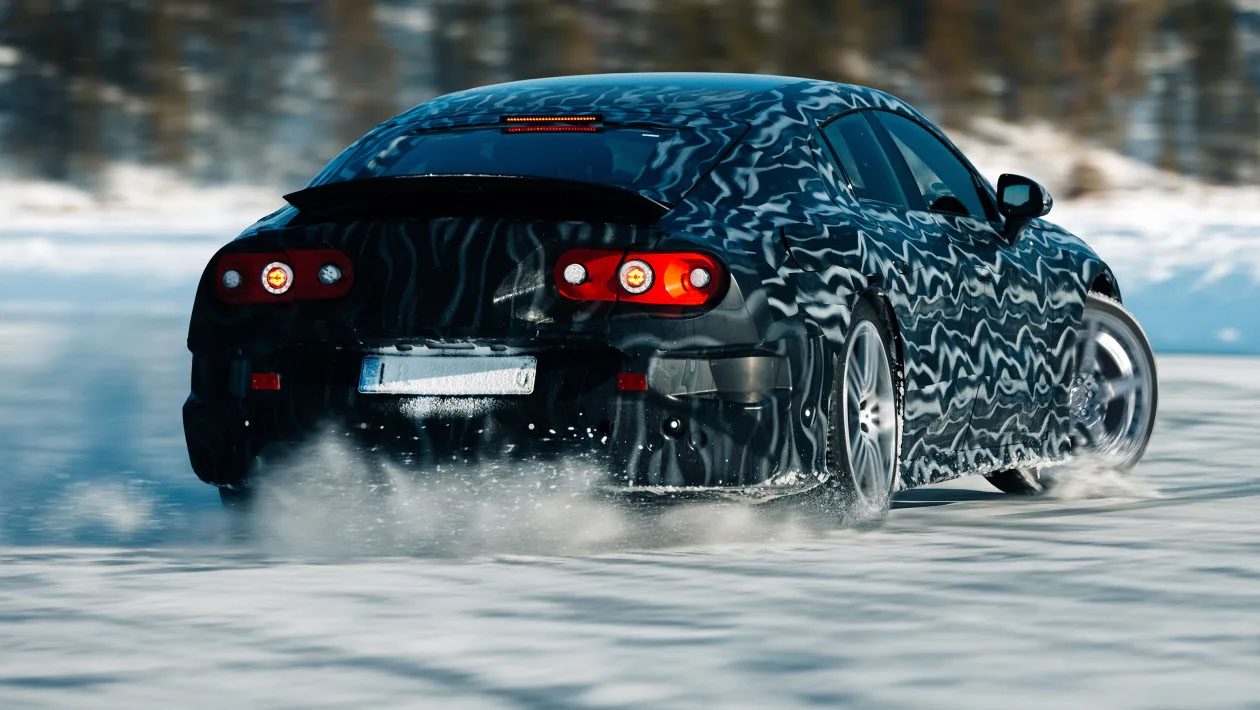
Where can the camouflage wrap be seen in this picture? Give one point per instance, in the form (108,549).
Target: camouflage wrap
(985,330)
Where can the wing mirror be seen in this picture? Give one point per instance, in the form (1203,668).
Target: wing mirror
(1021,200)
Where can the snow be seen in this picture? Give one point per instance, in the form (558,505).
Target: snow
(1133,591)
(133,196)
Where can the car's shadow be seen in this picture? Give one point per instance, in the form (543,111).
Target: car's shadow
(929,497)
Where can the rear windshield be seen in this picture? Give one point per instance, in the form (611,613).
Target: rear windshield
(660,163)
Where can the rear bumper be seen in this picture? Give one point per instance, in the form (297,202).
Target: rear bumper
(706,421)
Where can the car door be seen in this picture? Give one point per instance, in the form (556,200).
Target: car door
(1004,345)
(909,253)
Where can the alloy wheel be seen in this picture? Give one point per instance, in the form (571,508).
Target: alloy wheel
(869,415)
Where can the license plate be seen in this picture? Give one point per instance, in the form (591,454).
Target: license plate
(447,375)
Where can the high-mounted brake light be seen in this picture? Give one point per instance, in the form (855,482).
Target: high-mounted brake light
(558,128)
(280,277)
(647,278)
(557,118)
(558,123)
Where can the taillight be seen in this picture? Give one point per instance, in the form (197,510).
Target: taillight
(277,277)
(281,277)
(648,278)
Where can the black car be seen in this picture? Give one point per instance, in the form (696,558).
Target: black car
(748,286)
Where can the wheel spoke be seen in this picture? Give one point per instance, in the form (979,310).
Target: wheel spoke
(1089,349)
(1120,387)
(855,438)
(871,364)
(853,379)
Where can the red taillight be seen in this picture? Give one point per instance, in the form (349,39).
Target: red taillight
(277,277)
(280,277)
(648,278)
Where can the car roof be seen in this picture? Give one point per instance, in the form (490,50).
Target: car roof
(733,96)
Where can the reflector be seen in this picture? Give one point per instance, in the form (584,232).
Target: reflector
(267,381)
(632,382)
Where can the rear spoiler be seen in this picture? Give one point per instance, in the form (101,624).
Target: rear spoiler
(418,196)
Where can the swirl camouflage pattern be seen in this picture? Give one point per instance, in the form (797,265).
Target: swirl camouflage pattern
(448,253)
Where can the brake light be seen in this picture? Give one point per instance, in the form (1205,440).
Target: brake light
(281,277)
(635,276)
(647,278)
(277,277)
(580,123)
(551,129)
(556,118)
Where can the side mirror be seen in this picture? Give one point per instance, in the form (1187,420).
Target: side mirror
(1021,200)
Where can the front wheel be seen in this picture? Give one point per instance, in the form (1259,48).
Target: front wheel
(1112,398)
(864,438)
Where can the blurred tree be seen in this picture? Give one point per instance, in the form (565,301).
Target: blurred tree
(241,89)
(459,43)
(807,38)
(363,68)
(952,65)
(167,87)
(1208,27)
(545,40)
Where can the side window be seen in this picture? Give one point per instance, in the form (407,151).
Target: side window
(946,183)
(863,161)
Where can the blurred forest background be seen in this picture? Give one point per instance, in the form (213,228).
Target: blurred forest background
(264,92)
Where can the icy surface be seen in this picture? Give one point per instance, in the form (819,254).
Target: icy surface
(122,584)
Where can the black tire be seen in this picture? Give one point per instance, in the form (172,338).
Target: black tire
(1029,483)
(843,484)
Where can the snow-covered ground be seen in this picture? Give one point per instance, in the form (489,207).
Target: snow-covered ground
(1122,592)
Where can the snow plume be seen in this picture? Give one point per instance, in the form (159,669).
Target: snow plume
(1088,478)
(333,500)
(104,511)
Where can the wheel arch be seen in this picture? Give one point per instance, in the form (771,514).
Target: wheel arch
(1099,279)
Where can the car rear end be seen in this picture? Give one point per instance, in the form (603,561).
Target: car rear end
(500,288)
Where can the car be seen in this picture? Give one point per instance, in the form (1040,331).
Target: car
(736,286)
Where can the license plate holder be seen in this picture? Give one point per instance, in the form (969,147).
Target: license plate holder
(448,375)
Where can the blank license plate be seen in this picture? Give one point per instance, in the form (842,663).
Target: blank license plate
(447,375)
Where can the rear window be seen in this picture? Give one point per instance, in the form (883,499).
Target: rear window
(660,163)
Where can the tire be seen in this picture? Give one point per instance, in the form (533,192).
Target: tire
(1113,397)
(865,418)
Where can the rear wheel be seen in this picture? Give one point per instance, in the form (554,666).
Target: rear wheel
(864,442)
(1112,398)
